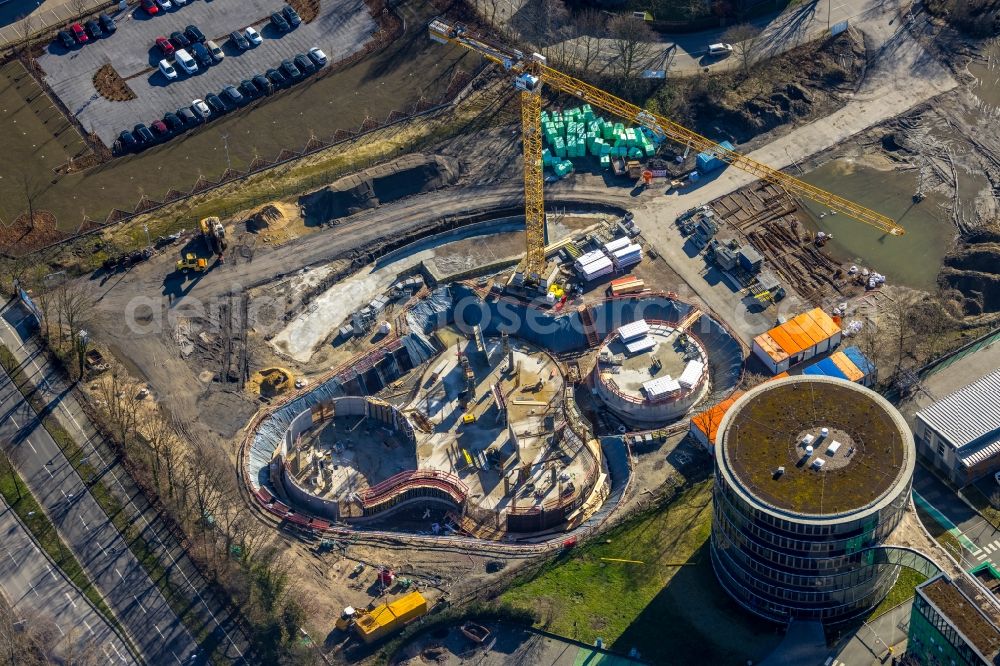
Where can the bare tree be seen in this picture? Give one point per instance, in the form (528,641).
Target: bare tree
(632,43)
(26,28)
(79,7)
(590,26)
(31,191)
(119,397)
(74,305)
(746,41)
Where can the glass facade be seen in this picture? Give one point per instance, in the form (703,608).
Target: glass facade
(933,640)
(792,567)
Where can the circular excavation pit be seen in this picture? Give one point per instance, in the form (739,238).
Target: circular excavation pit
(486,435)
(651,373)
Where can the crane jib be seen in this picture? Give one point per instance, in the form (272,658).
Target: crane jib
(515,61)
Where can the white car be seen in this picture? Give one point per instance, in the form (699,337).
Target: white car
(200,108)
(165,4)
(168,70)
(720,49)
(214,49)
(996,477)
(253,36)
(185,61)
(180,3)
(317,56)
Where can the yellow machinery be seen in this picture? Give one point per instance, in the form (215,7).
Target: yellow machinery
(531,72)
(192,262)
(382,620)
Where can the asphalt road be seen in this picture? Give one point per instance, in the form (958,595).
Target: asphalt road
(688,53)
(342,28)
(86,529)
(980,540)
(37,590)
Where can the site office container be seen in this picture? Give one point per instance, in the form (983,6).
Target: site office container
(799,339)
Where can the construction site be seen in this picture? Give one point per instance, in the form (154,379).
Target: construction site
(454,362)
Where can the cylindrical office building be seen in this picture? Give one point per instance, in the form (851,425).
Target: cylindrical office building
(810,472)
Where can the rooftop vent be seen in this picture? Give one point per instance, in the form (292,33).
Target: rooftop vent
(824,432)
(818,464)
(809,450)
(807,440)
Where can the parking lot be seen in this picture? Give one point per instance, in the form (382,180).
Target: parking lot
(341,28)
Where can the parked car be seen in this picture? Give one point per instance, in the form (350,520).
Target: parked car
(304,64)
(279,22)
(173,122)
(317,57)
(66,39)
(216,104)
(200,109)
(180,3)
(126,142)
(79,34)
(248,89)
(142,134)
(252,36)
(185,61)
(291,16)
(289,68)
(179,39)
(164,5)
(150,7)
(166,48)
(93,29)
(276,78)
(160,129)
(202,55)
(107,23)
(239,40)
(168,70)
(232,96)
(194,34)
(217,54)
(720,49)
(189,117)
(263,85)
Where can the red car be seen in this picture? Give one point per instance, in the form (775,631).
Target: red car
(165,46)
(150,7)
(79,33)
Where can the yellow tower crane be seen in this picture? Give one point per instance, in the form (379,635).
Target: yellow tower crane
(531,71)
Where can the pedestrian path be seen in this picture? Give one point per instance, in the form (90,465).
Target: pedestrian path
(976,552)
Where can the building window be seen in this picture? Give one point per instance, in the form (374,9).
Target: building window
(940,449)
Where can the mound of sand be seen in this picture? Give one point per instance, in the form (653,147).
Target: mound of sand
(270,382)
(973,268)
(272,216)
(406,176)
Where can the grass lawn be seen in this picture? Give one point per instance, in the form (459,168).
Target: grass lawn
(669,607)
(902,591)
(978,499)
(36,139)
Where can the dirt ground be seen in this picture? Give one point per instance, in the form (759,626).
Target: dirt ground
(111,85)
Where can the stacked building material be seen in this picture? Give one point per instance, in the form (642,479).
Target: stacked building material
(588,258)
(578,132)
(596,269)
(629,255)
(613,246)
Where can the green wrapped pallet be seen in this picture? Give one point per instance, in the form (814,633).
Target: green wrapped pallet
(605,150)
(546,157)
(650,149)
(605,161)
(608,131)
(634,153)
(560,147)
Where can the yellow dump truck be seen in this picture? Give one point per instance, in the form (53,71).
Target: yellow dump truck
(383,620)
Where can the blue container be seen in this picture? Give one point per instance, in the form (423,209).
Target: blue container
(826,368)
(861,362)
(708,162)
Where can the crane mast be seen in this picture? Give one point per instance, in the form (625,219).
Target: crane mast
(531,72)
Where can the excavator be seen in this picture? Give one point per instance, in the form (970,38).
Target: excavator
(531,71)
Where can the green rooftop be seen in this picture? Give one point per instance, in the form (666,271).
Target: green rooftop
(765,431)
